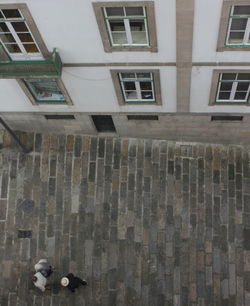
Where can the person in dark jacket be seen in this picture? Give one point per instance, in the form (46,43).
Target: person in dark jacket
(44,267)
(72,282)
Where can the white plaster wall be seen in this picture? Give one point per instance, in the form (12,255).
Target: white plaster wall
(71,27)
(13,99)
(206,29)
(12,96)
(91,90)
(200,92)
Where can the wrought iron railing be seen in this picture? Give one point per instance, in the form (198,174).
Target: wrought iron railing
(51,67)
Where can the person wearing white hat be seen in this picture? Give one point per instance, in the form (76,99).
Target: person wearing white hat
(72,282)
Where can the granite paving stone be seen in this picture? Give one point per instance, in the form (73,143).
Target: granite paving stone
(146,222)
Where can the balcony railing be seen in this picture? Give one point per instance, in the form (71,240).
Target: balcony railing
(51,67)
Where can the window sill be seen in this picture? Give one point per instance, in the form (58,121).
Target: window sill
(132,49)
(140,102)
(233,48)
(51,103)
(232,103)
(237,46)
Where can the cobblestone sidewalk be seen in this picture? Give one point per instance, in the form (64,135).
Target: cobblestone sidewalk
(146,222)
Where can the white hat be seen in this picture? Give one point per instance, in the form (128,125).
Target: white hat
(64,281)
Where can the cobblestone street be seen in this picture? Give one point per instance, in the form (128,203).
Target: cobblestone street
(145,222)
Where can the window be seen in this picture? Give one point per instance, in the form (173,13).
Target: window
(137,87)
(230,87)
(226,118)
(235,26)
(239,26)
(104,123)
(45,91)
(59,117)
(142,117)
(126,25)
(233,87)
(133,87)
(16,36)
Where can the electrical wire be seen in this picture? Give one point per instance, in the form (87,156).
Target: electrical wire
(86,79)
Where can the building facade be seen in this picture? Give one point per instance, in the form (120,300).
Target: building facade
(168,69)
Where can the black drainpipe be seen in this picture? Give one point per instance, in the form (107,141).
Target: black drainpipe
(25,150)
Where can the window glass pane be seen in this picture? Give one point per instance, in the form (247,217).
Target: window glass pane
(139,37)
(45,90)
(12,13)
(242,86)
(118,32)
(239,24)
(138,32)
(134,11)
(243,76)
(1,15)
(224,95)
(25,37)
(137,25)
(7,38)
(145,85)
(127,75)
(117,26)
(130,95)
(3,27)
(240,95)
(226,86)
(228,76)
(129,85)
(31,48)
(119,38)
(20,26)
(236,37)
(114,11)
(147,95)
(143,75)
(241,10)
(13,48)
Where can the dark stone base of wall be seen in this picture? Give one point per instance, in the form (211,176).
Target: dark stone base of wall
(177,127)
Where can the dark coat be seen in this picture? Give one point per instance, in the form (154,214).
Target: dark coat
(74,282)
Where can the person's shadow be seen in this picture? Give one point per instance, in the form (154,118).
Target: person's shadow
(54,281)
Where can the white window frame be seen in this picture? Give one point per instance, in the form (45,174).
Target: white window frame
(138,89)
(24,55)
(126,20)
(247,31)
(233,90)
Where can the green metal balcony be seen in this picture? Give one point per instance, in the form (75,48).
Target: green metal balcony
(51,67)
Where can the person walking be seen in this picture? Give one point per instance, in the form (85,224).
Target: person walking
(43,271)
(72,282)
(39,281)
(44,267)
